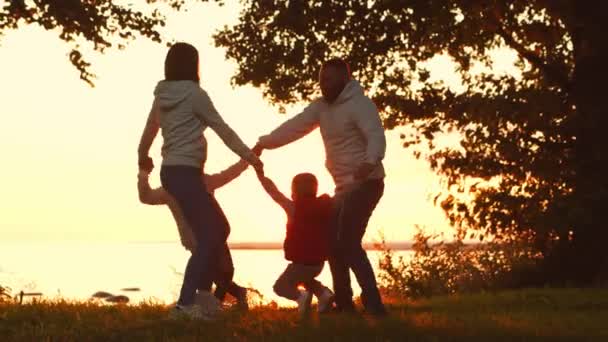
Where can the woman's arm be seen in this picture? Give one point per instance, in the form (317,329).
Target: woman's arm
(205,109)
(147,138)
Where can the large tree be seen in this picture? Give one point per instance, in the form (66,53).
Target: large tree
(531,162)
(100,24)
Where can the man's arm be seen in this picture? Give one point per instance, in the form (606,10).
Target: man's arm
(292,129)
(147,138)
(368,121)
(147,195)
(218,180)
(277,195)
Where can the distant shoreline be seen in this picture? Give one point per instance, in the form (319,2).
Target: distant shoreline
(269,245)
(396,246)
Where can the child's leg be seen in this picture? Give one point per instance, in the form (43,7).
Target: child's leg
(325,297)
(316,287)
(295,274)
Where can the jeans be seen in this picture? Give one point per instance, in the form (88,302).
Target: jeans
(224,274)
(185,185)
(299,274)
(351,214)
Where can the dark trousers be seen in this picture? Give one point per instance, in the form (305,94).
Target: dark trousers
(225,268)
(223,279)
(299,274)
(351,215)
(200,211)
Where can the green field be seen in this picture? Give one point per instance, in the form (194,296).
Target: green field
(525,315)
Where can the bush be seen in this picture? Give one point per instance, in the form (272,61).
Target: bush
(4,293)
(455,267)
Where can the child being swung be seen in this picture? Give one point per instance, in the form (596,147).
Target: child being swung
(306,242)
(225,268)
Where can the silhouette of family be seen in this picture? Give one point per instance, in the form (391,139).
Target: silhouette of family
(319,227)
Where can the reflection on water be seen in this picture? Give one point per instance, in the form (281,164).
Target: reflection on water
(78,270)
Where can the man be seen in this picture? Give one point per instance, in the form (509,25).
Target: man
(355,145)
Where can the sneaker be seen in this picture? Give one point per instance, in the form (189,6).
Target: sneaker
(326,299)
(304,302)
(209,305)
(186,312)
(242,301)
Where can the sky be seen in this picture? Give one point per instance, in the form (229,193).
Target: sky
(68,151)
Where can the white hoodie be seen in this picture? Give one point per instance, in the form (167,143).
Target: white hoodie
(351,129)
(184,111)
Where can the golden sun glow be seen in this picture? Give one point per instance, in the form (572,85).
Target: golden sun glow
(69,151)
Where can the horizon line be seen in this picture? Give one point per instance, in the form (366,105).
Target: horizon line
(236,245)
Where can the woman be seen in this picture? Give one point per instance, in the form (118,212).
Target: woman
(182,111)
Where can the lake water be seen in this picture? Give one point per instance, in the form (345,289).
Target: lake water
(76,270)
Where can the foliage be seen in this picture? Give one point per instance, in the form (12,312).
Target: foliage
(5,293)
(529,164)
(442,268)
(100,24)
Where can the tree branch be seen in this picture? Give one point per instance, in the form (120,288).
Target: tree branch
(552,73)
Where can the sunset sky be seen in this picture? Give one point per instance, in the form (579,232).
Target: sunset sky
(68,151)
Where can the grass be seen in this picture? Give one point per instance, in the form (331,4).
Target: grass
(524,315)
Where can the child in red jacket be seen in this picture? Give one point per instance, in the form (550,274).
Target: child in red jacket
(306,243)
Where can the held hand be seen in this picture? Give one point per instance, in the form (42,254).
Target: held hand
(261,177)
(257,149)
(364,171)
(259,168)
(145,163)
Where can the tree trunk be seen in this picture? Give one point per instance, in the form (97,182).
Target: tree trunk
(588,255)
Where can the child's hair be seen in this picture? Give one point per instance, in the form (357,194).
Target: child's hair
(181,63)
(304,185)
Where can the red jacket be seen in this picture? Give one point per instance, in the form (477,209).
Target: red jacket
(307,239)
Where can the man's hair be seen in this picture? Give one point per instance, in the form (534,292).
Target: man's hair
(339,64)
(305,184)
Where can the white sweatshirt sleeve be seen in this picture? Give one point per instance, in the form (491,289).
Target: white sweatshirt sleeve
(367,119)
(205,110)
(292,129)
